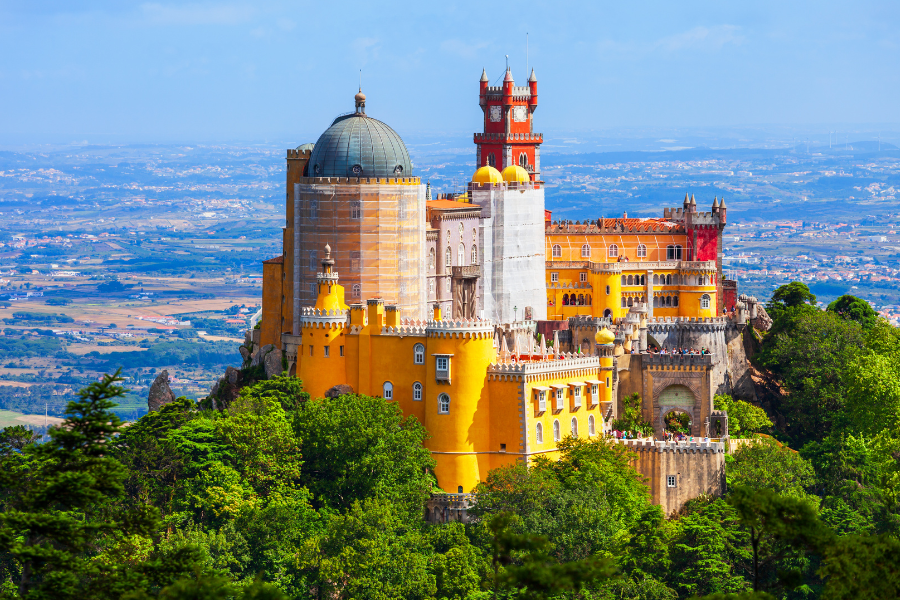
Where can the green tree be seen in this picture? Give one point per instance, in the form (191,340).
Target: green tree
(631,416)
(359,447)
(861,568)
(790,295)
(766,465)
(744,419)
(873,393)
(854,309)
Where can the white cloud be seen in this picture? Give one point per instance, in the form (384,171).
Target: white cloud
(705,38)
(196,14)
(366,49)
(462,49)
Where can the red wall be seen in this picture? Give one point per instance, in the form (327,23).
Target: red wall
(707,243)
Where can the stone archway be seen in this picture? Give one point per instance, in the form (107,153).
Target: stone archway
(677,397)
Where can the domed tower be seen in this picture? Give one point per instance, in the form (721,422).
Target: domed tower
(358,193)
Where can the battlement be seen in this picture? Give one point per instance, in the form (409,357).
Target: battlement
(702,445)
(474,328)
(294,153)
(509,137)
(569,362)
(687,321)
(313,317)
(677,361)
(362,180)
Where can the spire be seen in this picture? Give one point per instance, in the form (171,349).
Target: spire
(723,203)
(693,202)
(508,76)
(428,191)
(484,76)
(687,200)
(716,203)
(532,77)
(360,99)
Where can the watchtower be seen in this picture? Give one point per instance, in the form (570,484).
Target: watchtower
(508,137)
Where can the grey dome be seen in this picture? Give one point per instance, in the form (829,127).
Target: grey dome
(358,146)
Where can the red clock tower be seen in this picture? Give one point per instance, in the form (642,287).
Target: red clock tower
(508,137)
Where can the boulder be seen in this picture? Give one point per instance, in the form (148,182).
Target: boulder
(272,363)
(160,392)
(338,390)
(260,354)
(232,376)
(245,353)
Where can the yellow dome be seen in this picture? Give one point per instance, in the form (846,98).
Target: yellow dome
(604,336)
(515,173)
(487,174)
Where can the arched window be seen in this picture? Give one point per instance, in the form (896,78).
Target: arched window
(668,300)
(431,259)
(448,259)
(591,429)
(387,390)
(461,255)
(491,160)
(539,433)
(613,251)
(313,209)
(474,254)
(588,300)
(355,210)
(673,252)
(656,279)
(443,404)
(557,251)
(655,301)
(523,160)
(704,301)
(313,260)
(630,302)
(585,251)
(624,280)
(668,280)
(556,436)
(642,251)
(417,391)
(431,287)
(356,290)
(565,299)
(474,235)
(643,280)
(574,427)
(419,354)
(580,299)
(607,290)
(624,302)
(630,280)
(674,300)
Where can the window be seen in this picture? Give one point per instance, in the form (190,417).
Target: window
(443,363)
(355,210)
(461,255)
(313,260)
(448,285)
(630,280)
(642,251)
(313,289)
(356,290)
(607,382)
(542,401)
(474,255)
(327,350)
(355,262)
(313,209)
(431,259)
(585,251)
(442,368)
(459,489)
(591,429)
(559,398)
(607,290)
(582,277)
(461,230)
(417,391)
(577,396)
(491,160)
(431,287)
(310,350)
(448,259)
(673,252)
(670,481)
(341,350)
(523,160)
(613,251)
(624,303)
(674,300)
(387,390)
(594,391)
(704,301)
(444,404)
(539,433)
(574,427)
(554,277)
(556,436)
(419,354)
(557,251)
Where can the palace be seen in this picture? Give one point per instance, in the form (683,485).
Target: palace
(499,329)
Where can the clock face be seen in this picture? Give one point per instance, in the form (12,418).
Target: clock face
(496,113)
(520,114)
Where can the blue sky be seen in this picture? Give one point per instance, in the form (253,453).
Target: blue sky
(206,71)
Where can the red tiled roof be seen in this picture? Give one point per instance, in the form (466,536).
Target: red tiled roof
(616,226)
(278,260)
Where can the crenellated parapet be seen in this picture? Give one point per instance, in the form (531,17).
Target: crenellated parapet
(571,365)
(361,180)
(701,446)
(677,361)
(462,328)
(325,318)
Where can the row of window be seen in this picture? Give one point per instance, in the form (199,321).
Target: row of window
(491,161)
(448,256)
(673,251)
(559,396)
(557,434)
(443,400)
(657,279)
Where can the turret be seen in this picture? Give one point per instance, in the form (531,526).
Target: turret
(722,213)
(532,85)
(482,88)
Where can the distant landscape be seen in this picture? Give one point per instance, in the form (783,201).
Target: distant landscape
(148,257)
